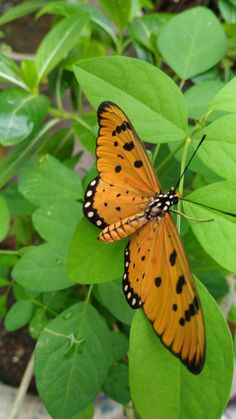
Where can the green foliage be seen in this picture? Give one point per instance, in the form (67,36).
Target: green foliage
(174,76)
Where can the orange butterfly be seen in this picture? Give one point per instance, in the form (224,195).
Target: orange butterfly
(126,199)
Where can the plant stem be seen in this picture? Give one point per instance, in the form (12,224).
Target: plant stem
(170,156)
(181,84)
(181,185)
(58,90)
(154,156)
(9,252)
(17,404)
(89,293)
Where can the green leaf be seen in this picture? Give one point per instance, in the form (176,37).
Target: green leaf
(4,282)
(60,144)
(87,413)
(145,29)
(55,300)
(192,42)
(227,10)
(5,218)
(111,295)
(29,74)
(14,160)
(72,358)
(44,180)
(151,99)
(21,10)
(160,383)
(37,323)
(220,234)
(219,149)
(9,71)
(86,132)
(57,222)
(42,269)
(91,261)
(120,345)
(225,100)
(119,11)
(21,114)
(18,315)
(16,203)
(58,43)
(116,384)
(199,96)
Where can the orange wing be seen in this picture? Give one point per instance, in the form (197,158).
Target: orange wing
(121,157)
(157,277)
(126,179)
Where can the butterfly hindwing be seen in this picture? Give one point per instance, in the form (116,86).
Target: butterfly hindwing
(157,277)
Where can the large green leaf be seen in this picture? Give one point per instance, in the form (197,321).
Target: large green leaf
(160,383)
(72,358)
(57,222)
(21,114)
(58,43)
(217,237)
(225,100)
(192,42)
(45,180)
(91,261)
(151,99)
(218,151)
(42,269)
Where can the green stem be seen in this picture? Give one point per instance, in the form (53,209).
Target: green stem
(154,156)
(181,84)
(181,185)
(89,294)
(70,115)
(9,252)
(58,90)
(37,303)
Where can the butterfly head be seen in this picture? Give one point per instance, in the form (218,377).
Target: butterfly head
(161,204)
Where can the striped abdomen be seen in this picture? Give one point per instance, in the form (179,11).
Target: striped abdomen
(122,228)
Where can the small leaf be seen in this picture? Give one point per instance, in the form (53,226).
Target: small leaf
(57,222)
(45,180)
(119,11)
(58,43)
(111,295)
(21,114)
(219,149)
(37,323)
(199,96)
(75,344)
(192,42)
(91,261)
(116,384)
(5,218)
(21,10)
(157,108)
(9,71)
(60,144)
(42,269)
(18,315)
(160,382)
(120,345)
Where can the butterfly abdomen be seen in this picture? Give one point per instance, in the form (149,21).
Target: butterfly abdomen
(122,228)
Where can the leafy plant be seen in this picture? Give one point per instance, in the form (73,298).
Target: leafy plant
(180,85)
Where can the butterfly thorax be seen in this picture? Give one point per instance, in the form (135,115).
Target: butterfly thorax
(161,204)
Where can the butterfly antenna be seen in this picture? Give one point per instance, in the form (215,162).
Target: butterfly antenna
(191,158)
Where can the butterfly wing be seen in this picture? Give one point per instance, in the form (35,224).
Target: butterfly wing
(157,277)
(126,179)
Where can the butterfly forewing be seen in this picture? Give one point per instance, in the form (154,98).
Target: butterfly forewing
(122,159)
(157,276)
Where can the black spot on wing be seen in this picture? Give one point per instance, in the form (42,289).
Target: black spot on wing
(157,281)
(173,256)
(138,164)
(180,284)
(128,146)
(118,168)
